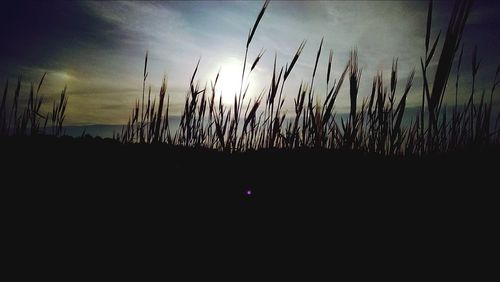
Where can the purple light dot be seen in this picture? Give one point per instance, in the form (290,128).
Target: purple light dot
(249,192)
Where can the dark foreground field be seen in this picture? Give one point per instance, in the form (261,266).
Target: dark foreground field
(78,205)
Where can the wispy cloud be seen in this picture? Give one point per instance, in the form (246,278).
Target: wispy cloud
(97,47)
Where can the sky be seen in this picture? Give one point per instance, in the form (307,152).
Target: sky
(97,48)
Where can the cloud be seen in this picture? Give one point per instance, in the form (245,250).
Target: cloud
(97,47)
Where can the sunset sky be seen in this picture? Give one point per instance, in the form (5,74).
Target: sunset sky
(97,48)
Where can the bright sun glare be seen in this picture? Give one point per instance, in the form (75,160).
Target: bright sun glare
(229,80)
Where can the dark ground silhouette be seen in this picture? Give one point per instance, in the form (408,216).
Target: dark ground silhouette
(73,203)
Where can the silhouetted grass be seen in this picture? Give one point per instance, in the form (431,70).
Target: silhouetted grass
(375,127)
(28,118)
(374,124)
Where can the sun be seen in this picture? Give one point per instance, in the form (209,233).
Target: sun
(229,81)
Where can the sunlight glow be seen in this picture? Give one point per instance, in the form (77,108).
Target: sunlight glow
(229,80)
(63,75)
